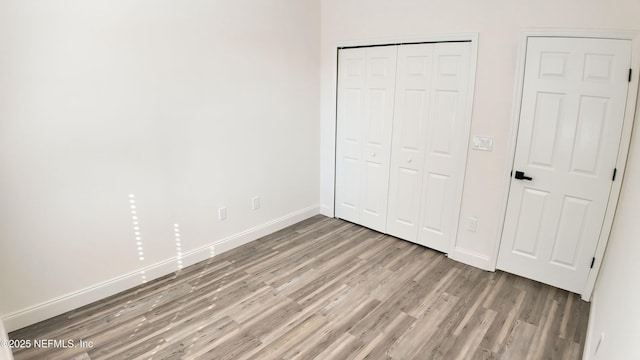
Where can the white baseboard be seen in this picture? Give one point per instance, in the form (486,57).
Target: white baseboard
(259,231)
(5,351)
(54,307)
(471,258)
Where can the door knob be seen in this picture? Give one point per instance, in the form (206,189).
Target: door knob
(409,160)
(520,176)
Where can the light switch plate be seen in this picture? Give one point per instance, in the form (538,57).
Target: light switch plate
(483,143)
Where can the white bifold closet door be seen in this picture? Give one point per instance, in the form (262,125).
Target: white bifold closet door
(427,137)
(430,134)
(365,117)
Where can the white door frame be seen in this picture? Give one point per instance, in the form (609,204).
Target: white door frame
(473,59)
(625,138)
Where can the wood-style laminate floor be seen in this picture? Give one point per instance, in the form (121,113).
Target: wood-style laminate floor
(324,289)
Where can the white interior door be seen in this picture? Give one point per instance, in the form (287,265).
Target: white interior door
(412,104)
(571,118)
(366,86)
(446,145)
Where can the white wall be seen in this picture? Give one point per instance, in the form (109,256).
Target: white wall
(498,24)
(189,105)
(614,310)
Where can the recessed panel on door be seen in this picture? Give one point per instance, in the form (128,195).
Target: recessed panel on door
(531,215)
(547,119)
(566,247)
(592,113)
(435,193)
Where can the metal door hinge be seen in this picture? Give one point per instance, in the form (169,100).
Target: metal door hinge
(630,75)
(593,261)
(615,171)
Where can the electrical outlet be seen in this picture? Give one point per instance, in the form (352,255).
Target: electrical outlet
(222,213)
(483,143)
(472,224)
(255,203)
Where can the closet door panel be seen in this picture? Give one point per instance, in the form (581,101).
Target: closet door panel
(378,119)
(436,189)
(446,146)
(366,87)
(349,135)
(412,104)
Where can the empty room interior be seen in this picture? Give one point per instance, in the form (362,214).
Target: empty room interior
(330,179)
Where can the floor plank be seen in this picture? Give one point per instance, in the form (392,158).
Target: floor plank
(324,289)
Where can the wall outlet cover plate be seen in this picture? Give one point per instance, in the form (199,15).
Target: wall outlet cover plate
(483,143)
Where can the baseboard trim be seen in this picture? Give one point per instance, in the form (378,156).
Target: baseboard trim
(259,231)
(471,258)
(57,306)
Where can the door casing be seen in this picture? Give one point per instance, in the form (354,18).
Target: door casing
(625,138)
